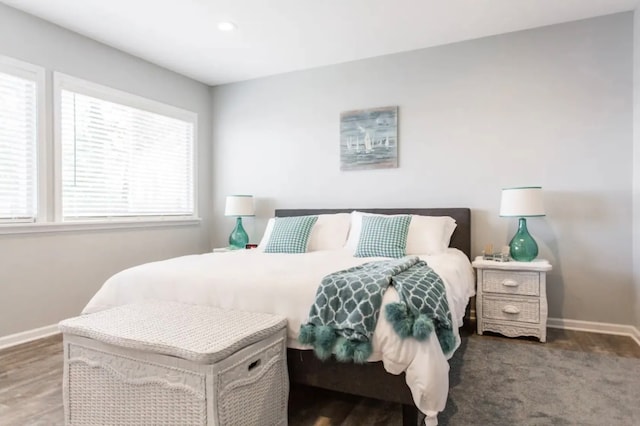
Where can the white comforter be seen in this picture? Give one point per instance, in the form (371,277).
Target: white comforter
(286,284)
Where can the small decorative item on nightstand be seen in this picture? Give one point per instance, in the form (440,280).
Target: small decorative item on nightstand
(489,254)
(511,297)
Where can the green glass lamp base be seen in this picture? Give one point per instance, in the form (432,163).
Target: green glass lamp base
(238,238)
(523,247)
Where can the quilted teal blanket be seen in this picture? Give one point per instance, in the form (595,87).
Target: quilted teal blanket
(347,306)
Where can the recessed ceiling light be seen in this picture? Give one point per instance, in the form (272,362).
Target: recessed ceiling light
(227,26)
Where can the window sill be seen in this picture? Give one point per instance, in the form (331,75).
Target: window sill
(51,227)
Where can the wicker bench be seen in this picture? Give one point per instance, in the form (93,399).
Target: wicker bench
(163,363)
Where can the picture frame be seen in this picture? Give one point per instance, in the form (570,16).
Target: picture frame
(369,138)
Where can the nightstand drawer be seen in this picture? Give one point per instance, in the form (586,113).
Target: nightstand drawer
(505,308)
(510,282)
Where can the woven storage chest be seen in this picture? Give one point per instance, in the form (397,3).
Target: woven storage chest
(163,363)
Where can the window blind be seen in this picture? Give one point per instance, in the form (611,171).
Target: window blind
(18,144)
(118,161)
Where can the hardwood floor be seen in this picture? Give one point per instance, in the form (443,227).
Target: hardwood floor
(31,392)
(30,383)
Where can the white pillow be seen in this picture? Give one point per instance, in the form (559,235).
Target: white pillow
(329,232)
(267,234)
(427,234)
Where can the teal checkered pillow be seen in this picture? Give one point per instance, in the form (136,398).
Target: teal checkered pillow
(383,236)
(290,234)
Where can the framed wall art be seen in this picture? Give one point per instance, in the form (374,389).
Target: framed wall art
(369,138)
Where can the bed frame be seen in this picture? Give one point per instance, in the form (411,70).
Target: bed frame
(370,380)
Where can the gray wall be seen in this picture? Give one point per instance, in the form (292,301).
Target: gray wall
(47,277)
(636,161)
(550,106)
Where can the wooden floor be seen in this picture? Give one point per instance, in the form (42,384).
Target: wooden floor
(31,393)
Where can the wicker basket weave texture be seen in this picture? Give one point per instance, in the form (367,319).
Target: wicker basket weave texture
(98,398)
(526,310)
(526,282)
(250,402)
(198,333)
(170,364)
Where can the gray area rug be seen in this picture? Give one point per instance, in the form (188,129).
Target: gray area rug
(507,383)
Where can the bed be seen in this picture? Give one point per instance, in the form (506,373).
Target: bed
(285,284)
(371,380)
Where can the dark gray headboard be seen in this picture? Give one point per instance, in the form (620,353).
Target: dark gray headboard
(461,238)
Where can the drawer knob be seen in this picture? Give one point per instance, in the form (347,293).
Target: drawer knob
(510,309)
(510,283)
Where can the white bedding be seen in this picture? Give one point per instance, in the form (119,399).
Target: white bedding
(286,284)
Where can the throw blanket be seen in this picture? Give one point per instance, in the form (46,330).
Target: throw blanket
(347,307)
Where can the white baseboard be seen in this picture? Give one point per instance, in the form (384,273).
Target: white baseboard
(595,327)
(28,336)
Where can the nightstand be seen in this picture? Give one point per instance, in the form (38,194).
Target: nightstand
(511,297)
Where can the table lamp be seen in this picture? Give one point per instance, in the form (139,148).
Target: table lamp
(239,206)
(522,202)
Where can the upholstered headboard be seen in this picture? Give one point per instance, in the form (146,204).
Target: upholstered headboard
(461,238)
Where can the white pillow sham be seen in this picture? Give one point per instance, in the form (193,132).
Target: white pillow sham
(427,234)
(430,234)
(329,232)
(267,234)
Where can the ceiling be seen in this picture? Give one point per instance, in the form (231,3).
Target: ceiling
(277,36)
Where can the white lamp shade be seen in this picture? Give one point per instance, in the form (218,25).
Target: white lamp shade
(239,205)
(522,202)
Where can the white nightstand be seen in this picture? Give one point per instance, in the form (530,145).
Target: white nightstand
(511,297)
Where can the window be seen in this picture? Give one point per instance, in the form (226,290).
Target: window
(121,156)
(20,96)
(115,160)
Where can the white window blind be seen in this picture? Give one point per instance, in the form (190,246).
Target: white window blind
(18,144)
(119,162)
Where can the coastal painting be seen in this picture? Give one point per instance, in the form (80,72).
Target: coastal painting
(369,139)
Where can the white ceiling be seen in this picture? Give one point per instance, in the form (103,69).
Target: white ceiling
(276,36)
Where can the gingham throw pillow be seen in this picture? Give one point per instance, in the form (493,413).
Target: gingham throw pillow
(290,234)
(383,236)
